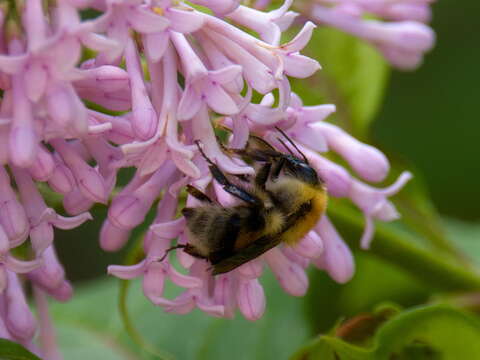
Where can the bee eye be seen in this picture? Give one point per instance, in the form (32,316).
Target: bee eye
(303,171)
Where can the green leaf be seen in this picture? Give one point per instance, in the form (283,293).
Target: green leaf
(10,350)
(392,244)
(466,236)
(419,213)
(328,301)
(331,348)
(353,77)
(432,332)
(89,327)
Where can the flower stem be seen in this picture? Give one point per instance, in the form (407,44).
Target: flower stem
(435,269)
(134,255)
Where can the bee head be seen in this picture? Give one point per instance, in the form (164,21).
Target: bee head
(301,170)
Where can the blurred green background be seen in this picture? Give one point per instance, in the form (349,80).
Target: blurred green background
(431,115)
(429,119)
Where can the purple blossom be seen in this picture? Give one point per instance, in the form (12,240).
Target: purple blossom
(401,41)
(200,68)
(217,62)
(399,31)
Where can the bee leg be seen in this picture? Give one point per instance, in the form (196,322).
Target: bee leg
(262,175)
(197,194)
(190,250)
(170,249)
(232,189)
(278,167)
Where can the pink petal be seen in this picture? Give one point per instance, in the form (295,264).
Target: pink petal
(64,54)
(185,165)
(184,281)
(309,136)
(41,237)
(23,145)
(368,232)
(182,304)
(366,160)
(44,166)
(3,281)
(225,294)
(4,242)
(128,211)
(144,121)
(12,64)
(110,48)
(153,159)
(211,309)
(66,223)
(145,21)
(19,319)
(62,180)
(184,21)
(300,66)
(190,103)
(156,45)
(301,39)
(62,293)
(311,246)
(251,299)
(112,238)
(256,73)
(20,266)
(169,229)
(90,182)
(226,74)
(127,272)
(219,100)
(313,114)
(154,280)
(219,6)
(251,270)
(59,105)
(337,258)
(290,275)
(14,221)
(35,80)
(75,202)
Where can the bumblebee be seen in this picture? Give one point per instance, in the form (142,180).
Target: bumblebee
(281,204)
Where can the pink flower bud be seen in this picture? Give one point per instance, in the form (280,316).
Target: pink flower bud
(291,276)
(19,319)
(336,259)
(112,238)
(89,181)
(251,299)
(44,166)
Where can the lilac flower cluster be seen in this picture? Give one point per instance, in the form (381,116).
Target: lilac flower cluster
(199,67)
(396,28)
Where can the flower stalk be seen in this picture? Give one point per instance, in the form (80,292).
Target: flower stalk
(438,271)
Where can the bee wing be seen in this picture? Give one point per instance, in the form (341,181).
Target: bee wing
(256,149)
(246,254)
(259,246)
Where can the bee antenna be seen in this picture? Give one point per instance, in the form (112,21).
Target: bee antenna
(180,246)
(286,146)
(291,142)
